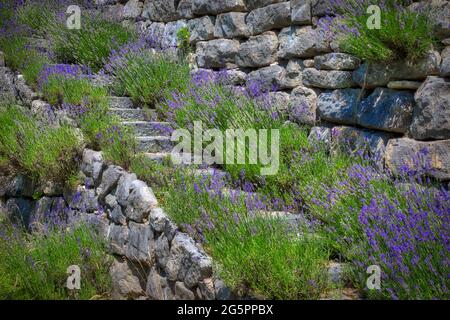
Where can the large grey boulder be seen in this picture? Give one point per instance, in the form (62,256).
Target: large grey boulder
(123,188)
(204,7)
(258,51)
(370,76)
(405,155)
(141,202)
(231,25)
(327,79)
(431,116)
(183,293)
(201,29)
(418,70)
(161,10)
(218,53)
(84,200)
(187,262)
(274,16)
(387,110)
(132,9)
(125,283)
(301,11)
(158,288)
(269,78)
(140,244)
(336,61)
(294,74)
(301,42)
(339,106)
(109,181)
(117,239)
(92,165)
(303,105)
(445,64)
(360,142)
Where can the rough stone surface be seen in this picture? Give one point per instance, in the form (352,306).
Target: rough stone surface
(327,79)
(141,201)
(92,165)
(118,238)
(375,75)
(254,4)
(231,25)
(301,42)
(336,61)
(170,35)
(110,178)
(125,284)
(274,16)
(202,7)
(218,53)
(387,110)
(268,77)
(301,11)
(431,116)
(303,106)
(123,188)
(183,293)
(294,74)
(407,154)
(161,10)
(138,246)
(360,142)
(339,106)
(201,29)
(445,64)
(258,51)
(158,287)
(132,9)
(404,85)
(419,70)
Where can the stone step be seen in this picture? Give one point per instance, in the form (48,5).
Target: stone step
(149,128)
(154,144)
(121,103)
(128,114)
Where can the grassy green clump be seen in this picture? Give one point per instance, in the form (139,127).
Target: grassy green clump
(90,45)
(148,77)
(36,17)
(34,266)
(403,35)
(38,151)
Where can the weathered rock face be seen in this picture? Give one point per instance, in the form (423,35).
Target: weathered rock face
(301,11)
(132,9)
(254,4)
(375,75)
(336,61)
(301,42)
(126,284)
(339,106)
(431,116)
(429,65)
(327,79)
(268,78)
(387,110)
(219,53)
(360,142)
(170,37)
(202,7)
(138,247)
(258,51)
(294,74)
(445,64)
(404,85)
(141,201)
(231,25)
(275,16)
(161,10)
(201,29)
(431,158)
(303,106)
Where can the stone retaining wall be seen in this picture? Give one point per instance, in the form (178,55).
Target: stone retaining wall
(398,109)
(152,258)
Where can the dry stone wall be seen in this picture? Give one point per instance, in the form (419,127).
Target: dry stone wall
(399,108)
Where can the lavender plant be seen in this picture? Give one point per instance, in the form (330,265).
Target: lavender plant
(403,35)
